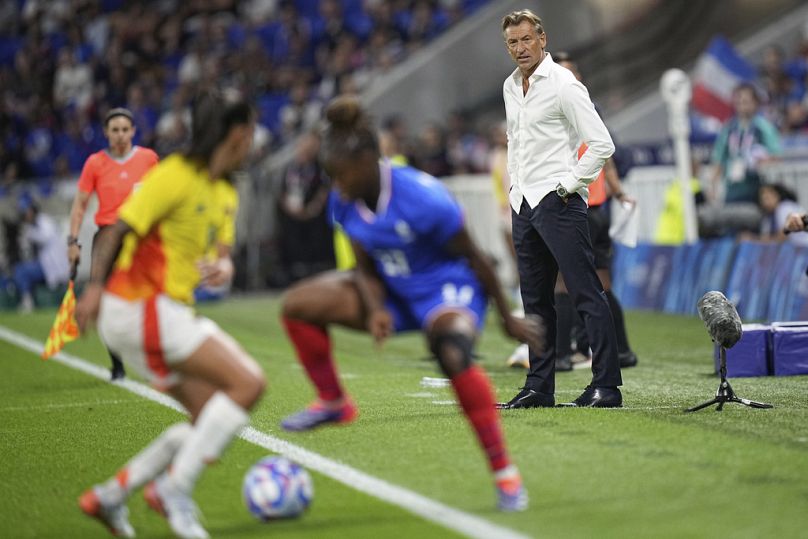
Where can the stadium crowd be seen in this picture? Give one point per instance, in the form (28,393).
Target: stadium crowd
(63,63)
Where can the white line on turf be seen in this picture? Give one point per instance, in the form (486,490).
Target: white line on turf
(434,511)
(65,405)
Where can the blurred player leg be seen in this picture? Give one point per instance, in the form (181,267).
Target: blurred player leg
(452,338)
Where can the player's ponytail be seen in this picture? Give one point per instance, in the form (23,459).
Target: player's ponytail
(348,130)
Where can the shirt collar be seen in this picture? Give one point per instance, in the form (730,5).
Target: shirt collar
(386,176)
(542,71)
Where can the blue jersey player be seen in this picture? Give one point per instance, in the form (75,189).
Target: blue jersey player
(417,269)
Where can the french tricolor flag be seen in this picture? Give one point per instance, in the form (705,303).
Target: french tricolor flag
(718,71)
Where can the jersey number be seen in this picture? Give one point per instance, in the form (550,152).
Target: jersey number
(394,263)
(454,296)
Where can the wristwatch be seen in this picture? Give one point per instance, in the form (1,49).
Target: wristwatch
(562,191)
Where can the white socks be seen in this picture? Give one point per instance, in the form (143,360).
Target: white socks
(508,472)
(219,421)
(144,466)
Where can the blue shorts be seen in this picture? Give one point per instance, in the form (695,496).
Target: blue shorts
(416,313)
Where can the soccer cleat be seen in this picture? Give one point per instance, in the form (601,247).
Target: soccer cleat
(177,507)
(511,494)
(115,518)
(117,371)
(520,359)
(317,415)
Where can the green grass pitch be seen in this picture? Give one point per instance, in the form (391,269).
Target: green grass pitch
(647,470)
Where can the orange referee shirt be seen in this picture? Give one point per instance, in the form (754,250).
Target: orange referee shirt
(597,189)
(112,179)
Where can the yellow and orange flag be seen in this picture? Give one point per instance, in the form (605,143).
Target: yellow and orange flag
(65,328)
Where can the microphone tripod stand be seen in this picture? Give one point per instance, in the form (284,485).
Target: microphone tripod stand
(725,393)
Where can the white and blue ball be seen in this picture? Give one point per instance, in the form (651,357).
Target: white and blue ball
(276,487)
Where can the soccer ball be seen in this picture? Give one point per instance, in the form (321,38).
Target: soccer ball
(276,487)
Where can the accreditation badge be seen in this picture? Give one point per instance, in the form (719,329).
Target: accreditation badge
(736,171)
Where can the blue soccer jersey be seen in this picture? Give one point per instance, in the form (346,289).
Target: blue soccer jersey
(406,238)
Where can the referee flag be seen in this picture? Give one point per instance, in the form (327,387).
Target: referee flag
(64,327)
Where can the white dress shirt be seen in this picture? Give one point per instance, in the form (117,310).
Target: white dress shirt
(545,129)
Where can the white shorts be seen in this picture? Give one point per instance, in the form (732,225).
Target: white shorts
(152,335)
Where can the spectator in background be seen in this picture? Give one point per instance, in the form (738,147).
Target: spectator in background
(779,87)
(305,236)
(301,113)
(73,82)
(392,141)
(174,126)
(430,153)
(48,264)
(746,141)
(777,202)
(466,150)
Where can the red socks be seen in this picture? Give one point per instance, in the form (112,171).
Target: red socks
(476,398)
(314,351)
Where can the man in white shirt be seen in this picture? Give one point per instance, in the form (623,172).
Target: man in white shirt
(549,114)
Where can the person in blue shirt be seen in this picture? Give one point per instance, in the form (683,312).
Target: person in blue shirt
(417,270)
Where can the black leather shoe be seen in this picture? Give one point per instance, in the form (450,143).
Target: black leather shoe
(627,359)
(528,398)
(599,397)
(563,364)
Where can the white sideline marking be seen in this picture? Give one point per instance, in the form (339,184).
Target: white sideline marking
(63,405)
(417,504)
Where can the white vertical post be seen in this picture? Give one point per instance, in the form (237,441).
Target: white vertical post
(676,91)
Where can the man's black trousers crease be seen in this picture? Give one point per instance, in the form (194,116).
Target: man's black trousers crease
(553,237)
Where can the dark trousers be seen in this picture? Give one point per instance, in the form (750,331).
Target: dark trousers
(554,236)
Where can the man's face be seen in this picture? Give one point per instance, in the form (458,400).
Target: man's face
(525,46)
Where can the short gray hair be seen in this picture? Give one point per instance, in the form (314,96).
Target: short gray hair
(515,18)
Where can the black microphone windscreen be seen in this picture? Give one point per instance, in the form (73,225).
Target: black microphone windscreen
(721,318)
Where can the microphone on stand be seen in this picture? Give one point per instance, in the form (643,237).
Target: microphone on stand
(725,329)
(721,318)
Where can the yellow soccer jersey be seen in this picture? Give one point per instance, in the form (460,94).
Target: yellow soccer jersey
(173,216)
(226,197)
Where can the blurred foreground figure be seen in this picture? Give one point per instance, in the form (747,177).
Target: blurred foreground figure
(163,233)
(417,270)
